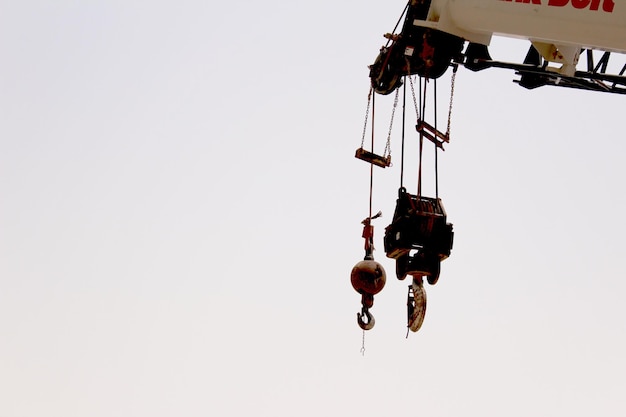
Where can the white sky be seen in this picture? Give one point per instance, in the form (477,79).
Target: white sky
(180,210)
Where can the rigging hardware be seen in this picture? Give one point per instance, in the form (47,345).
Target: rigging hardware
(419,236)
(383,161)
(415,305)
(368,277)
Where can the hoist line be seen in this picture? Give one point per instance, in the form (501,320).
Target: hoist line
(398,22)
(403,131)
(372,165)
(422,100)
(436,147)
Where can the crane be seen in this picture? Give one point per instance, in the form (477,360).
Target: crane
(436,35)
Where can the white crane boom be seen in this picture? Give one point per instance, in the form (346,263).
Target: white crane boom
(434,34)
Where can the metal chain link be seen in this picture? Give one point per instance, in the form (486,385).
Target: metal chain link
(408,67)
(367,112)
(456,67)
(417,109)
(363,344)
(387,151)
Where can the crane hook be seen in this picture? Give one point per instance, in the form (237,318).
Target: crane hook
(370,319)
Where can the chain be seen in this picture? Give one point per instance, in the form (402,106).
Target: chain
(417,109)
(363,344)
(451,98)
(408,66)
(387,151)
(367,112)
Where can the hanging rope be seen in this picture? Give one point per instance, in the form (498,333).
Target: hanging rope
(391,35)
(403,132)
(372,165)
(432,133)
(436,147)
(422,98)
(417,116)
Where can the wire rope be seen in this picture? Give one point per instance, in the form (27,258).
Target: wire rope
(436,147)
(403,133)
(372,165)
(398,22)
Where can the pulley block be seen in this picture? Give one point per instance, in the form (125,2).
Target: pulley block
(419,237)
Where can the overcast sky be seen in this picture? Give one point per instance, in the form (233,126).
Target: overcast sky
(180,210)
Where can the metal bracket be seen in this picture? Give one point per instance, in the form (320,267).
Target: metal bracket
(372,158)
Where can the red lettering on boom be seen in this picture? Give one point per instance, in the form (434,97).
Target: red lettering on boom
(607,5)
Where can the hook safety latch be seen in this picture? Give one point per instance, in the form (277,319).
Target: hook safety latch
(365,325)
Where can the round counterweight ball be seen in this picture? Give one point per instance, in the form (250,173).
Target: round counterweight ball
(368,277)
